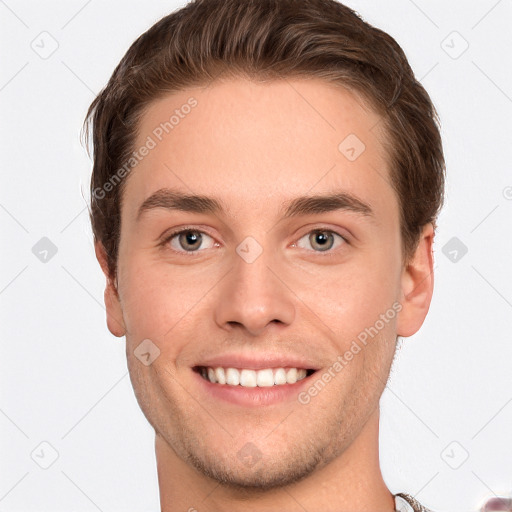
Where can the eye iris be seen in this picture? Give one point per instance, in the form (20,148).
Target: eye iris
(321,238)
(190,237)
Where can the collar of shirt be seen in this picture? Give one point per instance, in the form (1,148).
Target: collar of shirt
(406,503)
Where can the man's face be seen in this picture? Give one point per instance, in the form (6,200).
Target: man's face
(252,288)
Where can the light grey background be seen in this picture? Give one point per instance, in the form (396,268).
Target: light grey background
(447,411)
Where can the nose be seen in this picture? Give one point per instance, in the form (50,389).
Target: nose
(253,296)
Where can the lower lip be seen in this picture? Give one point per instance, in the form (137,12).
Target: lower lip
(253,397)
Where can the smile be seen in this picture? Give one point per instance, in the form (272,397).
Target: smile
(248,378)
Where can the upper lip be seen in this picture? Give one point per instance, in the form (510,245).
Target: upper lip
(257,362)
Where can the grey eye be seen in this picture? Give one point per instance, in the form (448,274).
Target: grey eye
(321,240)
(189,240)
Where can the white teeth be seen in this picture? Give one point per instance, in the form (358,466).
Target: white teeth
(248,378)
(232,377)
(291,376)
(252,378)
(280,376)
(219,375)
(265,378)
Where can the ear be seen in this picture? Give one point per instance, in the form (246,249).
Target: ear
(417,284)
(115,322)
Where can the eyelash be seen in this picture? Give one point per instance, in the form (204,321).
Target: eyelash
(327,253)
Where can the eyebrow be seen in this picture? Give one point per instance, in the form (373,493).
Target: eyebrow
(305,205)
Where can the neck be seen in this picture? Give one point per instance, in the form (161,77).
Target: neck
(352,481)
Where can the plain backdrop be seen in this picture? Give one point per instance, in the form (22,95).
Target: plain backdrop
(72,434)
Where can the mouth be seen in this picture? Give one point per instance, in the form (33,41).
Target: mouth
(250,378)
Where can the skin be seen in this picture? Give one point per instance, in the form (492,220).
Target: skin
(255,146)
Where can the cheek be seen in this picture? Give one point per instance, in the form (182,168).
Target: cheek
(159,298)
(349,298)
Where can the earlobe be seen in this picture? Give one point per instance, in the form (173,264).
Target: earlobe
(115,321)
(417,285)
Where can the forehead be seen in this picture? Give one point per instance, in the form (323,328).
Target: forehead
(245,141)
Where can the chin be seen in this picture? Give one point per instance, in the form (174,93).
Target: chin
(251,471)
(262,477)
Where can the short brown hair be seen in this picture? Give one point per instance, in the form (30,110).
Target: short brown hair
(266,40)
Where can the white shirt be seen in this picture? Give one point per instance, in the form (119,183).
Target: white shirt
(401,505)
